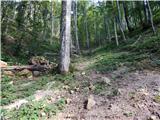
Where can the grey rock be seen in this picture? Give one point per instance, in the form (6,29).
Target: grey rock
(90,102)
(36,73)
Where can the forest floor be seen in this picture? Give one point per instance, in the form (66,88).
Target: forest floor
(124,85)
(124,93)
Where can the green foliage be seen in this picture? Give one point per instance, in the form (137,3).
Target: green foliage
(99,87)
(150,44)
(110,61)
(11,60)
(15,88)
(35,110)
(146,48)
(64,78)
(6,90)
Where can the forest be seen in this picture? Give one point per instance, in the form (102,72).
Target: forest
(80,60)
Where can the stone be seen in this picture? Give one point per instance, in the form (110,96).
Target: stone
(68,100)
(116,92)
(157,89)
(110,106)
(90,102)
(66,87)
(143,91)
(43,114)
(83,73)
(30,77)
(76,89)
(152,117)
(11,83)
(127,114)
(8,73)
(71,91)
(91,87)
(25,73)
(36,73)
(106,80)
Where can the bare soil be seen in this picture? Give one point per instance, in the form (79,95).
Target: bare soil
(134,100)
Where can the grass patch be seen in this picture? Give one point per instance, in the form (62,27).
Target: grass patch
(108,62)
(12,89)
(34,110)
(146,48)
(99,87)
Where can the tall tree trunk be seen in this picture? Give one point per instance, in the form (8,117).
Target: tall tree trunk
(95,27)
(120,22)
(115,32)
(105,27)
(119,12)
(107,24)
(45,24)
(126,16)
(151,17)
(65,37)
(52,23)
(86,29)
(145,11)
(75,27)
(109,33)
(120,26)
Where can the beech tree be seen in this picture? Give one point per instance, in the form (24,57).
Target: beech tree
(65,36)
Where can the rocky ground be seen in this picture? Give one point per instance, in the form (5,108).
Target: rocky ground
(127,96)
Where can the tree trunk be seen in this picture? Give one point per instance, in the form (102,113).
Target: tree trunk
(126,16)
(52,23)
(105,27)
(145,11)
(75,27)
(95,29)
(119,14)
(120,22)
(115,31)
(65,37)
(109,33)
(120,26)
(86,28)
(151,17)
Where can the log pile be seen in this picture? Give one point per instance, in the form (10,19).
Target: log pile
(36,65)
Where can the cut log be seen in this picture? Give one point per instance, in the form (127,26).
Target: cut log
(29,67)
(3,64)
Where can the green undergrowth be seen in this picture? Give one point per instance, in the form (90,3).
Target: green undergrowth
(18,88)
(11,60)
(19,56)
(99,87)
(34,110)
(131,53)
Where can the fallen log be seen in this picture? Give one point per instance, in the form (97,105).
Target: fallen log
(29,67)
